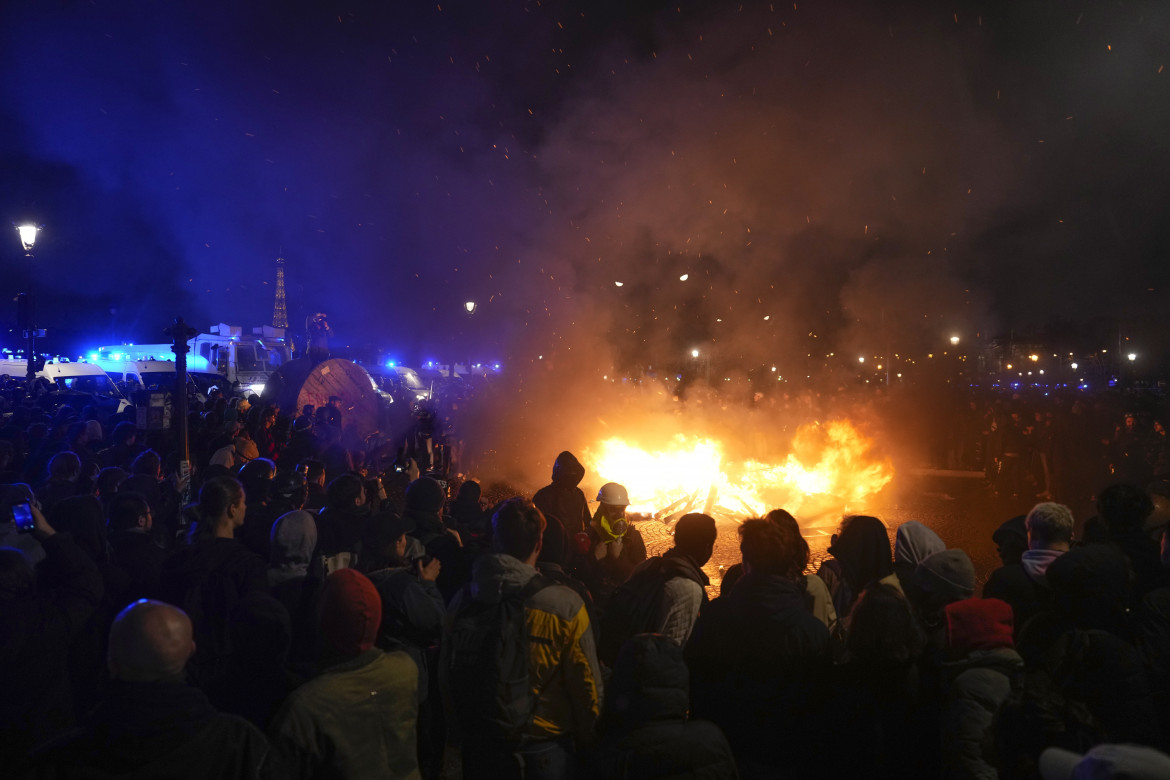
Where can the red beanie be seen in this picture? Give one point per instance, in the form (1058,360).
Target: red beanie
(351,612)
(979,624)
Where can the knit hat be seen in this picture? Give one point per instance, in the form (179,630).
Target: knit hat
(948,574)
(1134,762)
(424,495)
(1011,528)
(351,612)
(978,624)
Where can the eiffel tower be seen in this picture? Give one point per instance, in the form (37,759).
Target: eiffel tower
(279,311)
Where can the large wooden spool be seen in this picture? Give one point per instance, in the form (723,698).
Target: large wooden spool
(299,382)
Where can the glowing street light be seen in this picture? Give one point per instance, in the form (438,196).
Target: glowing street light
(684,277)
(28,236)
(1074,366)
(955,340)
(619,284)
(1132,356)
(469,307)
(861,359)
(694,353)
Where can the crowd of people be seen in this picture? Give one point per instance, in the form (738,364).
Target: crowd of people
(315,610)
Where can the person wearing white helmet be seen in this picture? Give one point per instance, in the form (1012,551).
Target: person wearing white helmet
(619,545)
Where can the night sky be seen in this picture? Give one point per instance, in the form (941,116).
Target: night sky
(846,169)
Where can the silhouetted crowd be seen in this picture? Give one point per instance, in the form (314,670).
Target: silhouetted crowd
(298,606)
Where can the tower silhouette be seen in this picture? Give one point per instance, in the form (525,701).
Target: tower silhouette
(280,311)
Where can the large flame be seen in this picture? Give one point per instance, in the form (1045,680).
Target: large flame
(829,471)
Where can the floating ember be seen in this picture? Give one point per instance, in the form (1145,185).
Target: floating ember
(829,471)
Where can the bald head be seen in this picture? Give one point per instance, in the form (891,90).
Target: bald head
(150,641)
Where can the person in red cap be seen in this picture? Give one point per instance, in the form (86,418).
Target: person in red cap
(357,718)
(983,661)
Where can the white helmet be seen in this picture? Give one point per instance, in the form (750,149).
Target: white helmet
(613,494)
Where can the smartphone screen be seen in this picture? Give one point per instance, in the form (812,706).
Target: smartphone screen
(22,516)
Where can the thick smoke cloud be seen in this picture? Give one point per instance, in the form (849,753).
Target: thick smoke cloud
(870,178)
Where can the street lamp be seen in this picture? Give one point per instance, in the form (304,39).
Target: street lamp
(1132,356)
(469,307)
(955,341)
(28,237)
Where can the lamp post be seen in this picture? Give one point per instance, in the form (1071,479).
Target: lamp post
(28,237)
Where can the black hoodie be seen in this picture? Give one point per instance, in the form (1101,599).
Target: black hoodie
(563,498)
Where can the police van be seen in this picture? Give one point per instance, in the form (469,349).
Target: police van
(73,377)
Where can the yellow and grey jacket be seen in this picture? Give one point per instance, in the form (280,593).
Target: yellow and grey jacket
(563,663)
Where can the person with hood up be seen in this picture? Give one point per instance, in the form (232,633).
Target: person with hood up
(293,583)
(977,678)
(645,729)
(913,542)
(562,497)
(1023,585)
(942,578)
(357,718)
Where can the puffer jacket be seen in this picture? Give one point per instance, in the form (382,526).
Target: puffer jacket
(563,664)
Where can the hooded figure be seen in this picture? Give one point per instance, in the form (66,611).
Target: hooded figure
(562,497)
(979,640)
(358,717)
(913,542)
(294,537)
(644,727)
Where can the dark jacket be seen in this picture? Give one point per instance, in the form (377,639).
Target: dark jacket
(141,559)
(759,661)
(35,632)
(206,580)
(562,497)
(644,728)
(163,729)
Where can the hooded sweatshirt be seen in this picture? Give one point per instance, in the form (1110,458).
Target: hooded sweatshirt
(562,497)
(357,719)
(294,537)
(1036,563)
(563,660)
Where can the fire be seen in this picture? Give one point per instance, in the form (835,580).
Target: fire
(829,471)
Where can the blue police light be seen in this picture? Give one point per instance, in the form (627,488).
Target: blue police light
(116,356)
(496,366)
(93,356)
(391,363)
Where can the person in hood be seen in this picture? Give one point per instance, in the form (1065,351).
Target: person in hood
(208,577)
(293,582)
(977,679)
(941,579)
(357,718)
(645,729)
(563,668)
(912,543)
(150,722)
(1023,585)
(562,497)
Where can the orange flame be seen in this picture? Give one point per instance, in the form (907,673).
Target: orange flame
(830,471)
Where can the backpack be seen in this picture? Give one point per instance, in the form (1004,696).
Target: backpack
(633,608)
(1044,710)
(488,663)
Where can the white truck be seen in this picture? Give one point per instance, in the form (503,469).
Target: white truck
(72,377)
(246,360)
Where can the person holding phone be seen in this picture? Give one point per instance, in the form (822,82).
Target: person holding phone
(38,618)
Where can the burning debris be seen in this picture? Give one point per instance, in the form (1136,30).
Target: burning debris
(829,470)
